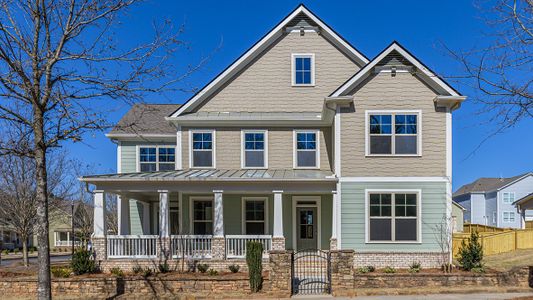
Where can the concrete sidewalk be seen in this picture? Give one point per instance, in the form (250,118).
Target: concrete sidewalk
(478,296)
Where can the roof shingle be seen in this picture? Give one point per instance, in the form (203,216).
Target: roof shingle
(146,119)
(486,184)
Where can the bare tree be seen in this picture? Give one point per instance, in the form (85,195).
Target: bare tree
(500,70)
(443,233)
(60,65)
(18,193)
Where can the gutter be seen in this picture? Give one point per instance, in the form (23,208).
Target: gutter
(451,102)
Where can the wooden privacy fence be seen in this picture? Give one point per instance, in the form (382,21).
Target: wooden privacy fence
(497,242)
(529,224)
(482,228)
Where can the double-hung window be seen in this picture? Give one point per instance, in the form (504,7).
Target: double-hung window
(306,149)
(157,158)
(393,133)
(508,217)
(202,154)
(255,211)
(203,217)
(254,149)
(303,69)
(393,217)
(508,198)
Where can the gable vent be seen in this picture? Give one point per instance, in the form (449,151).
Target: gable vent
(394,59)
(301,20)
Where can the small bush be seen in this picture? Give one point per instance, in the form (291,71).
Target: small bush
(164,268)
(371,268)
(471,253)
(60,272)
(5,252)
(137,270)
(212,272)
(415,267)
(389,270)
(202,268)
(16,250)
(234,268)
(363,270)
(254,260)
(480,270)
(147,272)
(83,262)
(117,272)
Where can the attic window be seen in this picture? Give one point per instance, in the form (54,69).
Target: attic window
(303,69)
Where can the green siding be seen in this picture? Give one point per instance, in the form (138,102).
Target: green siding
(136,217)
(128,155)
(433,203)
(326,219)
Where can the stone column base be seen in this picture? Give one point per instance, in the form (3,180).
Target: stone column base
(280,275)
(218,248)
(99,247)
(333,244)
(278,243)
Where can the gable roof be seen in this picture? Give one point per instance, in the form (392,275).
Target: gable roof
(396,52)
(487,184)
(459,206)
(293,19)
(145,119)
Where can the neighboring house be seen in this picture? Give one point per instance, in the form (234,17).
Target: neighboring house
(457,217)
(301,143)
(491,201)
(525,209)
(9,238)
(60,228)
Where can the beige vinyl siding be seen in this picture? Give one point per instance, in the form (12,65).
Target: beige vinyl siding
(280,148)
(266,86)
(403,92)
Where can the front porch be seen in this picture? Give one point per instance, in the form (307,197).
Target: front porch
(185,221)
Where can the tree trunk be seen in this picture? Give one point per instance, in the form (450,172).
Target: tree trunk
(25,250)
(43,256)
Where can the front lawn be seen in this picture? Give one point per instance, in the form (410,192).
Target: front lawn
(508,260)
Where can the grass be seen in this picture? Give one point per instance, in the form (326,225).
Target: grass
(506,261)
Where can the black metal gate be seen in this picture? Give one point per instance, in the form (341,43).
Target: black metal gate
(311,272)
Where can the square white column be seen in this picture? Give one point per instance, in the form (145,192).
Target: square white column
(218,224)
(123,207)
(99,230)
(335,215)
(278,214)
(164,214)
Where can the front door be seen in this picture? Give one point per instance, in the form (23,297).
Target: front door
(306,228)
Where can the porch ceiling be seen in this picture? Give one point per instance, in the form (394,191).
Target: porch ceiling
(217,175)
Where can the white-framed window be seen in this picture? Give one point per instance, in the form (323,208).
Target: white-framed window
(156,158)
(508,197)
(393,216)
(254,149)
(508,217)
(202,216)
(303,69)
(306,149)
(393,133)
(255,215)
(202,148)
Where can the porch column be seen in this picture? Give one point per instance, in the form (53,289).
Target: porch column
(123,207)
(278,239)
(522,218)
(164,232)
(335,209)
(99,232)
(218,245)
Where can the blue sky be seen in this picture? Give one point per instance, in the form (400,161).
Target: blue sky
(223,30)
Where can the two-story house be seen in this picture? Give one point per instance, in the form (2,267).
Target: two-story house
(301,143)
(492,201)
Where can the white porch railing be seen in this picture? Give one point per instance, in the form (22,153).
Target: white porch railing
(132,246)
(236,244)
(191,246)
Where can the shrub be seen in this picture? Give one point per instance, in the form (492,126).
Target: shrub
(82,262)
(212,272)
(471,253)
(117,272)
(147,272)
(202,267)
(60,272)
(254,257)
(234,268)
(389,270)
(5,252)
(478,269)
(137,270)
(415,267)
(16,250)
(363,270)
(371,268)
(164,268)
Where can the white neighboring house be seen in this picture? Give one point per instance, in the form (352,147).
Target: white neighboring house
(491,201)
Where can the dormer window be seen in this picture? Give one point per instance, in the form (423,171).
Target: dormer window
(303,69)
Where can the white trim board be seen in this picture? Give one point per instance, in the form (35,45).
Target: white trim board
(428,76)
(393,179)
(263,44)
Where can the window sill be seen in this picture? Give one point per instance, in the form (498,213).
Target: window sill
(203,168)
(303,85)
(393,242)
(393,155)
(306,168)
(254,168)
